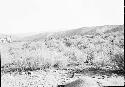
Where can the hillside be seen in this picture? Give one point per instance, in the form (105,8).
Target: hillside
(87,50)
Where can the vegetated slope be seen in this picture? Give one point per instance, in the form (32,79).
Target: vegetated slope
(92,48)
(85,31)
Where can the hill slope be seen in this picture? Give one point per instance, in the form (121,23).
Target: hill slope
(99,46)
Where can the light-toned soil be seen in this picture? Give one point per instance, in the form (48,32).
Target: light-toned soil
(52,78)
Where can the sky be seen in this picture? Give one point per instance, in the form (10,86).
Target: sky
(28,16)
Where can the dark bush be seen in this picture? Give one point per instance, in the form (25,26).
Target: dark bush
(68,44)
(118,60)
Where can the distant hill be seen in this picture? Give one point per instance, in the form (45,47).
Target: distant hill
(88,31)
(80,31)
(35,37)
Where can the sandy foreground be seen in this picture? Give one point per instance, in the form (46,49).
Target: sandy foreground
(52,78)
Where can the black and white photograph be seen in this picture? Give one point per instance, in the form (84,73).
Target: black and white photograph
(62,43)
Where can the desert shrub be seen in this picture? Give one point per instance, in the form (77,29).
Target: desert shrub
(119,42)
(9,67)
(81,45)
(118,60)
(67,43)
(99,65)
(47,65)
(26,45)
(89,59)
(36,63)
(58,65)
(72,58)
(24,65)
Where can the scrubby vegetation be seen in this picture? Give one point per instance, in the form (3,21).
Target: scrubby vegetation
(77,51)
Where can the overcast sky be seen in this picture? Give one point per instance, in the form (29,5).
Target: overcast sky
(23,16)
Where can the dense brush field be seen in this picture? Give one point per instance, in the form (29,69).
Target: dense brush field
(90,51)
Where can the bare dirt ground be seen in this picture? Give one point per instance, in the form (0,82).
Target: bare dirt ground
(52,78)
